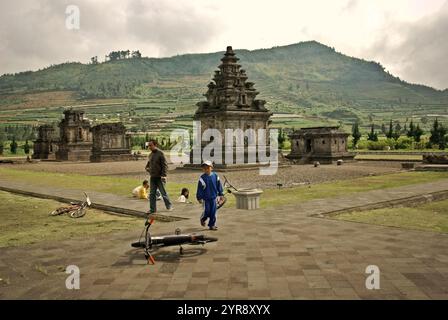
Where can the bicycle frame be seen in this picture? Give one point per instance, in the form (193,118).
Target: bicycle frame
(153,243)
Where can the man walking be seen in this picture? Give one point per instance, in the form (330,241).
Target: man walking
(157,168)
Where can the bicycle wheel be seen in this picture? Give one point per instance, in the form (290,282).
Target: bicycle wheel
(59,211)
(78,213)
(220,202)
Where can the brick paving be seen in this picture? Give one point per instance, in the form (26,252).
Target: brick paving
(278,253)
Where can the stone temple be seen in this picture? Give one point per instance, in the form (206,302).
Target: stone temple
(110,143)
(231,104)
(322,144)
(47,143)
(76,140)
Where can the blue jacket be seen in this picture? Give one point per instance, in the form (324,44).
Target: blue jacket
(209,187)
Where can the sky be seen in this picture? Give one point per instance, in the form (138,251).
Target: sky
(408,37)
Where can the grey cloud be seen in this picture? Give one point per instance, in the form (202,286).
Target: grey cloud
(421,55)
(33,33)
(175,26)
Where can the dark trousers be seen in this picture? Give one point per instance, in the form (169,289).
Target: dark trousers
(209,212)
(156,183)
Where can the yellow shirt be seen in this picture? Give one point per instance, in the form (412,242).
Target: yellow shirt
(140,192)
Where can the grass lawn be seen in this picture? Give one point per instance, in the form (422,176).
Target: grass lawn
(275,197)
(270,197)
(25,220)
(431,216)
(115,185)
(400,157)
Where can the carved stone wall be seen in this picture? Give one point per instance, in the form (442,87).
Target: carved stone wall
(323,144)
(110,143)
(76,140)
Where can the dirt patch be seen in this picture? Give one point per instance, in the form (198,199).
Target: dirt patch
(286,177)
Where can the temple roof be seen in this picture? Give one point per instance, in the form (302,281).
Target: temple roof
(229,88)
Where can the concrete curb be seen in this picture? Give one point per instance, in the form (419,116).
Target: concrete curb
(401,202)
(99,206)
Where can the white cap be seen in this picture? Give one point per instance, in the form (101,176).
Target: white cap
(207,163)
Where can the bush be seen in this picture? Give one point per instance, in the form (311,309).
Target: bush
(362,145)
(404,143)
(377,145)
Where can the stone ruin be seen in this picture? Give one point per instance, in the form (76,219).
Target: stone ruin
(231,104)
(76,140)
(319,144)
(433,158)
(47,143)
(110,143)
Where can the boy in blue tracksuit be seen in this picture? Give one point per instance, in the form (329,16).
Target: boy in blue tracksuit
(209,188)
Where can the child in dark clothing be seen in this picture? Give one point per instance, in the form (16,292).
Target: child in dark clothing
(209,188)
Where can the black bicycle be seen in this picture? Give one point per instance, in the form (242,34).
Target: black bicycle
(151,244)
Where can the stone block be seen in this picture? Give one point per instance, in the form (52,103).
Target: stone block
(248,199)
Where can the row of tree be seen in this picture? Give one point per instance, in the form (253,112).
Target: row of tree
(19,132)
(438,133)
(117,55)
(14,146)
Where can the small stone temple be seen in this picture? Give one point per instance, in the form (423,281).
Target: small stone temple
(110,143)
(76,139)
(231,103)
(47,143)
(322,144)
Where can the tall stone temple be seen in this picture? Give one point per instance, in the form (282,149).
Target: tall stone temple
(76,139)
(231,104)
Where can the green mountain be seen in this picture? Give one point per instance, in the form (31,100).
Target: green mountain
(307,79)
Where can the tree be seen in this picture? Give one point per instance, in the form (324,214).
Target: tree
(136,54)
(281,138)
(411,132)
(383,129)
(418,132)
(2,138)
(372,136)
(397,131)
(26,148)
(13,146)
(438,133)
(94,60)
(356,134)
(390,133)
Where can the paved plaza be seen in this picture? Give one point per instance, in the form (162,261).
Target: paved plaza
(281,253)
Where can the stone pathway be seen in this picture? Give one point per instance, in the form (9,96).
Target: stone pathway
(270,253)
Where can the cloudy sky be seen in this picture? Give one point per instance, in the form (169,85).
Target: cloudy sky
(409,37)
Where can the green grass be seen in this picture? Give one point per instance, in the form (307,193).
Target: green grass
(25,220)
(277,197)
(114,185)
(429,217)
(401,157)
(270,197)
